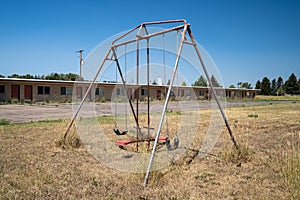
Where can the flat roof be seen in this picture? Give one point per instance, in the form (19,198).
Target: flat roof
(109,83)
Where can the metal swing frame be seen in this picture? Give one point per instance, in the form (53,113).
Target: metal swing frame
(142,34)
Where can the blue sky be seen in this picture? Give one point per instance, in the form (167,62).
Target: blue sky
(247,39)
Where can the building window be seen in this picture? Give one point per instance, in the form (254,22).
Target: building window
(187,93)
(63,90)
(2,88)
(47,89)
(144,92)
(120,91)
(66,90)
(99,91)
(43,90)
(201,93)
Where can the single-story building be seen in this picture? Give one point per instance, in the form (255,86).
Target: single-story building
(14,89)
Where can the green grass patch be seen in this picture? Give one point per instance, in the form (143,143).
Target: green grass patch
(253,115)
(4,122)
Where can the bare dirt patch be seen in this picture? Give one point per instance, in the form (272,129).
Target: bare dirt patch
(18,113)
(32,166)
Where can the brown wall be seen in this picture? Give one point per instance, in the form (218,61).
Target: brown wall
(184,93)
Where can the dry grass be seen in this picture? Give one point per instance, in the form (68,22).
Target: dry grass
(33,166)
(277,98)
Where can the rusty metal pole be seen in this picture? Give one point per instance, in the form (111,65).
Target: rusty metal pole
(137,93)
(124,86)
(212,88)
(148,88)
(86,94)
(165,105)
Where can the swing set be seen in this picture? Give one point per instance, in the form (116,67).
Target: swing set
(143,34)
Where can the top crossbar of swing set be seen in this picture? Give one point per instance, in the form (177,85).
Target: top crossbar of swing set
(142,33)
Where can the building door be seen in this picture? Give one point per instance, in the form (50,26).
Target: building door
(15,92)
(79,92)
(89,96)
(28,92)
(158,94)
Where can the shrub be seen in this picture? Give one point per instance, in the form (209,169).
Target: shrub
(103,100)
(4,122)
(253,115)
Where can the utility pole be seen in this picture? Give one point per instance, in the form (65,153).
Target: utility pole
(80,62)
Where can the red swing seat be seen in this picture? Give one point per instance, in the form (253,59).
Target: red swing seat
(125,142)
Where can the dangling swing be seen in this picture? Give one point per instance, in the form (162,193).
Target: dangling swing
(116,130)
(176,140)
(122,143)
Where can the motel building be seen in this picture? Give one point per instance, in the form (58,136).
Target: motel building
(35,90)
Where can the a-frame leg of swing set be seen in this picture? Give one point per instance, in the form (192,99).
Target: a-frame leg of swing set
(187,28)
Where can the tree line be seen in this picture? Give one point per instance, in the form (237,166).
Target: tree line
(267,87)
(278,87)
(202,81)
(52,76)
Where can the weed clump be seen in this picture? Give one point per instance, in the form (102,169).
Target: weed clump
(289,167)
(71,140)
(242,153)
(253,115)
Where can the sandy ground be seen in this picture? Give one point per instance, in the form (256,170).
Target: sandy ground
(18,113)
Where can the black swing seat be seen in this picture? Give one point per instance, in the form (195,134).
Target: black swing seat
(119,133)
(168,143)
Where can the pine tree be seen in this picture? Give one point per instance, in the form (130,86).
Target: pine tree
(214,81)
(279,82)
(200,82)
(291,85)
(273,87)
(265,86)
(258,86)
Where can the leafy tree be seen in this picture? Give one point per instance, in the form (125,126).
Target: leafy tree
(265,86)
(291,85)
(13,76)
(52,76)
(246,85)
(73,77)
(183,84)
(214,81)
(169,82)
(273,87)
(154,83)
(239,84)
(2,76)
(231,86)
(200,82)
(280,91)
